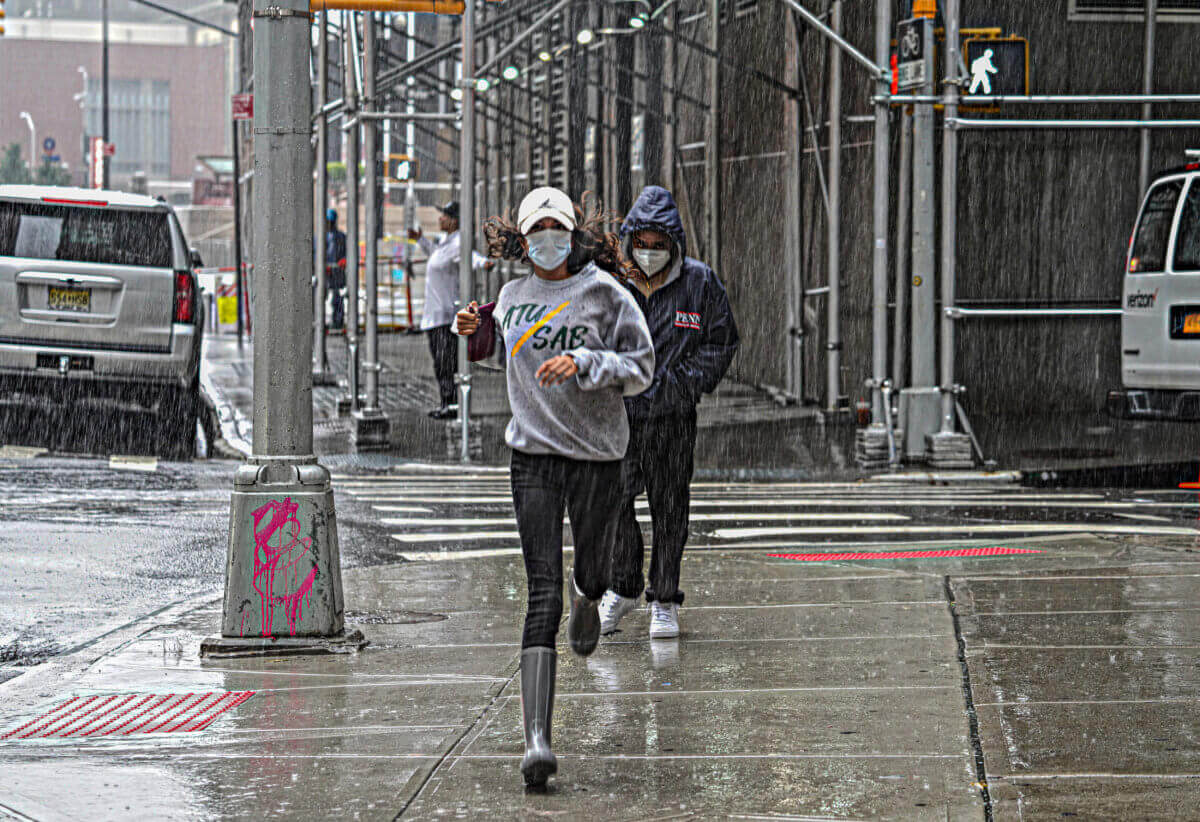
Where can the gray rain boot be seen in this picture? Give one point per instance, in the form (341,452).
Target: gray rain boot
(538,668)
(583,627)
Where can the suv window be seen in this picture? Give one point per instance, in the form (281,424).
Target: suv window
(1149,252)
(110,236)
(1187,243)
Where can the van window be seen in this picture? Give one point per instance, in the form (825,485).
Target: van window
(110,236)
(1149,252)
(1187,243)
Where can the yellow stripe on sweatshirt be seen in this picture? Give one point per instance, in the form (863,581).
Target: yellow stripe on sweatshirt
(533,328)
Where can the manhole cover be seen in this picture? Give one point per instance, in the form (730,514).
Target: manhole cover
(392,617)
(128,714)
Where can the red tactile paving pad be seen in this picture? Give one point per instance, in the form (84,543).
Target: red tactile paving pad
(118,715)
(950,552)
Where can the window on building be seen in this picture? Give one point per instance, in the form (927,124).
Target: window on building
(1169,11)
(1187,243)
(1149,253)
(139,124)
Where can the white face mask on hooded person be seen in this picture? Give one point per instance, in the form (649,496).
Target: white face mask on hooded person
(651,260)
(549,248)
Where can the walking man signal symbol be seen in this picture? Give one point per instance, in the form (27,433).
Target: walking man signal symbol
(980,69)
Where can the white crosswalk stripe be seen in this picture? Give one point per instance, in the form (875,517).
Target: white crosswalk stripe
(445,512)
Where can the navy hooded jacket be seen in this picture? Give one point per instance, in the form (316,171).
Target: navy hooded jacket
(695,336)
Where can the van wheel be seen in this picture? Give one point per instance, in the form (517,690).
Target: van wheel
(177,423)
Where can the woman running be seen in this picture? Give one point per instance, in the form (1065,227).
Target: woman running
(573,342)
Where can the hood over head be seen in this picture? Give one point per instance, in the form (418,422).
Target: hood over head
(655,208)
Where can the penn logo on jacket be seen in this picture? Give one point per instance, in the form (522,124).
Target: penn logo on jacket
(688,320)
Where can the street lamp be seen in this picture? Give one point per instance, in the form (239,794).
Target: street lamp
(32,138)
(456,94)
(511,73)
(585,36)
(637,21)
(482,85)
(545,56)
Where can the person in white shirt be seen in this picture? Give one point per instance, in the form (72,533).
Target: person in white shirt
(441,303)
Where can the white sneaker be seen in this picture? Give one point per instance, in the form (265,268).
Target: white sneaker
(612,607)
(664,620)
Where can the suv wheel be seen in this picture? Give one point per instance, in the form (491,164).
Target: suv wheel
(177,416)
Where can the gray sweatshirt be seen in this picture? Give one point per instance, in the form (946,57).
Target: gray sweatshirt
(594,319)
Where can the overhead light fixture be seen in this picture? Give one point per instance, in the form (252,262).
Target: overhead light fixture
(584,37)
(482,84)
(511,73)
(637,21)
(455,94)
(545,56)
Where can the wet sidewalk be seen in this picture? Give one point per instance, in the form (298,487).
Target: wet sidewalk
(742,431)
(958,684)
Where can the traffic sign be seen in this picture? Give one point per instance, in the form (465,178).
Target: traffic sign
(401,168)
(48,145)
(913,41)
(997,65)
(243,106)
(110,149)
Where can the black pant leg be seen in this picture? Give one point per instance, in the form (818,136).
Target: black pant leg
(443,347)
(668,471)
(629,550)
(538,497)
(593,500)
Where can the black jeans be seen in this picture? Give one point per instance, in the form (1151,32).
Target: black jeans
(443,345)
(659,460)
(542,486)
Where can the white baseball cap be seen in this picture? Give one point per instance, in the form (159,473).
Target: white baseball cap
(542,203)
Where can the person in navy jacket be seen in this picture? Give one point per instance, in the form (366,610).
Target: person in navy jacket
(695,338)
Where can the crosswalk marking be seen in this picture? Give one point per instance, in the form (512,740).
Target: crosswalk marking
(978,528)
(444,513)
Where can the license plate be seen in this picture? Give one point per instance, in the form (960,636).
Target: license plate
(70,299)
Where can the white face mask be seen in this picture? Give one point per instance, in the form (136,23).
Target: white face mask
(651,260)
(549,248)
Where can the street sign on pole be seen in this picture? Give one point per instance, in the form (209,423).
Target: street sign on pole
(243,107)
(96,162)
(913,38)
(48,145)
(110,149)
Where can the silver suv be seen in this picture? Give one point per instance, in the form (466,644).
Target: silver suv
(98,299)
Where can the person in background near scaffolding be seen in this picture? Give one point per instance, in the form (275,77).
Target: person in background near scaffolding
(573,342)
(441,297)
(695,338)
(335,267)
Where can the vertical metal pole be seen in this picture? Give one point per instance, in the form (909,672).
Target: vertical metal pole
(833,344)
(924,322)
(350,95)
(903,217)
(949,213)
(1147,88)
(670,59)
(879,262)
(320,356)
(712,157)
(466,222)
(371,217)
(104,160)
(281,491)
(576,90)
(410,148)
(237,230)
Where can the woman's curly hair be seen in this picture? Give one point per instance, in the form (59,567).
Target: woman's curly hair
(590,243)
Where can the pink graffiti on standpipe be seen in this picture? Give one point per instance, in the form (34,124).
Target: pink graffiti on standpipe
(279,561)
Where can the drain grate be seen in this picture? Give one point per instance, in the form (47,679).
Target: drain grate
(956,552)
(128,714)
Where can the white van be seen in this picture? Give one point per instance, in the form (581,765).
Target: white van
(1160,303)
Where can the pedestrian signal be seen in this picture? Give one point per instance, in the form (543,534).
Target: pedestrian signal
(998,65)
(401,168)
